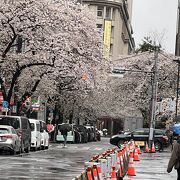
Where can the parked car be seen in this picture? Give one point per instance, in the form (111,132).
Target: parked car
(9,140)
(83,132)
(35,134)
(44,135)
(70,134)
(22,127)
(140,136)
(91,133)
(77,134)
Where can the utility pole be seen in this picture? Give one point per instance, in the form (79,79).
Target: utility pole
(154,99)
(177,89)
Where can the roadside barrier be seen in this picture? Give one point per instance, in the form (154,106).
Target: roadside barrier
(95,173)
(113,173)
(112,164)
(99,170)
(89,173)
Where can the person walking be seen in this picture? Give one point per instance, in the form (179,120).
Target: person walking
(175,158)
(64,132)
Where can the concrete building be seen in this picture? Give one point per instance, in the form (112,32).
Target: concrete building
(114,18)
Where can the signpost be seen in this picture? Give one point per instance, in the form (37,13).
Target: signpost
(5,107)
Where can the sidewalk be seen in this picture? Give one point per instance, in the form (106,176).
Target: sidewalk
(153,166)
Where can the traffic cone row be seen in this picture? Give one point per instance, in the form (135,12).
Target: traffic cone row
(150,150)
(116,168)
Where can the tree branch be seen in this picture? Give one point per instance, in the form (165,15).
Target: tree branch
(10,43)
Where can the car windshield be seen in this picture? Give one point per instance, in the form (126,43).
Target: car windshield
(4,131)
(10,121)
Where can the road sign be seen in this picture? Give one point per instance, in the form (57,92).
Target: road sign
(5,104)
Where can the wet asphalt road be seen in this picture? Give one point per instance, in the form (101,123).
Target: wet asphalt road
(66,163)
(55,163)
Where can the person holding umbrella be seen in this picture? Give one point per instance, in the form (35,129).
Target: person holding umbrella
(64,131)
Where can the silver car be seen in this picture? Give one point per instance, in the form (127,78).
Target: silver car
(9,140)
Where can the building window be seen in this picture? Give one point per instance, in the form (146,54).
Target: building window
(108,12)
(99,27)
(100,10)
(113,14)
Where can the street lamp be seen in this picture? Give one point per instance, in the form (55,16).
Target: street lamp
(177,89)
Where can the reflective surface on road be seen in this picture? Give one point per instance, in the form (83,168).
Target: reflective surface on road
(66,163)
(56,163)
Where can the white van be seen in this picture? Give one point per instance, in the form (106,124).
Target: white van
(44,135)
(35,134)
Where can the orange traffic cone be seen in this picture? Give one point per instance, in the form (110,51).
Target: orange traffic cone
(95,175)
(147,148)
(89,173)
(113,173)
(153,149)
(131,169)
(139,149)
(99,171)
(136,155)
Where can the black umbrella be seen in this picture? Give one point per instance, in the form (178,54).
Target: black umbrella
(65,126)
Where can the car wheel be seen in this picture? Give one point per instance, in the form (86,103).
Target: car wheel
(158,146)
(119,144)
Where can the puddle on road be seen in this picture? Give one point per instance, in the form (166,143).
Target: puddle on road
(57,170)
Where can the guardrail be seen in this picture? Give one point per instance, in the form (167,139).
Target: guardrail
(112,164)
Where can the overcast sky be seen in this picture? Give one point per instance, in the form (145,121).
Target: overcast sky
(155,18)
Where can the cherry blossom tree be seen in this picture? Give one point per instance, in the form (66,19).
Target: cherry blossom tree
(132,93)
(47,47)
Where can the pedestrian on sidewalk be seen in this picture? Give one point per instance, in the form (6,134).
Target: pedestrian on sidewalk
(175,158)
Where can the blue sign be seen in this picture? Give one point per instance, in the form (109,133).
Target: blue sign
(5,104)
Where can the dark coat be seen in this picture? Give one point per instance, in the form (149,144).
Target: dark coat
(175,157)
(64,131)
